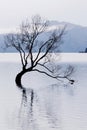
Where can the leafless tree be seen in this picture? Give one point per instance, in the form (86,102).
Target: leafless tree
(31,39)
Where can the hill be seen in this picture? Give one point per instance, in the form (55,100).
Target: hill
(74,40)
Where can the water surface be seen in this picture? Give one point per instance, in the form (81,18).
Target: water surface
(47,104)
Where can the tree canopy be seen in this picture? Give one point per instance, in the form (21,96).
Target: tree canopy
(35,36)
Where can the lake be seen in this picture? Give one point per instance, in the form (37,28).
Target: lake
(48,104)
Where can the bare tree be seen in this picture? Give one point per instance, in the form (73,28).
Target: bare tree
(28,40)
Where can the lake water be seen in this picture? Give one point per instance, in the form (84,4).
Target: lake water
(47,104)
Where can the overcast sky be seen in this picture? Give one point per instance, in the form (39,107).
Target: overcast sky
(13,12)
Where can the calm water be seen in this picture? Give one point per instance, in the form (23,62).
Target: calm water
(46,104)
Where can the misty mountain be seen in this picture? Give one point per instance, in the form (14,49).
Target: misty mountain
(74,39)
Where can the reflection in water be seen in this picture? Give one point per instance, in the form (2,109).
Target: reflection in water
(40,109)
(26,120)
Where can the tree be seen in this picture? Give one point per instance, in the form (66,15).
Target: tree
(28,40)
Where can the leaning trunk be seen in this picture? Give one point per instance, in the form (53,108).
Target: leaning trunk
(18,79)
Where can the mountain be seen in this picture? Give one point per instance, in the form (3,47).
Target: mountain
(74,39)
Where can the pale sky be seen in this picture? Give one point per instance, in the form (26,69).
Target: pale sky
(13,12)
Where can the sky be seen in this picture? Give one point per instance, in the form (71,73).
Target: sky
(14,12)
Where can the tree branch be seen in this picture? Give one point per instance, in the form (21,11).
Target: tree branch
(45,67)
(55,77)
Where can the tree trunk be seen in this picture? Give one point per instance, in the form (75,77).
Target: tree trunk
(18,79)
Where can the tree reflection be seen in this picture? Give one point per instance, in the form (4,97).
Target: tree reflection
(26,118)
(42,109)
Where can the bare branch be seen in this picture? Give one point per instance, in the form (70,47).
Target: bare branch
(29,38)
(55,77)
(45,67)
